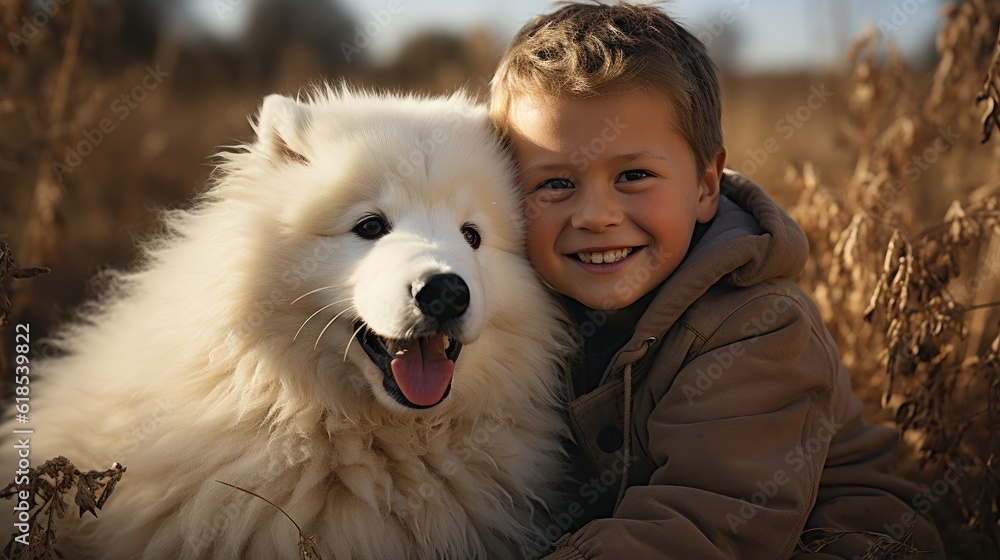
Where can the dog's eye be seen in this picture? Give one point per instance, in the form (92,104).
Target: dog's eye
(471,236)
(372,227)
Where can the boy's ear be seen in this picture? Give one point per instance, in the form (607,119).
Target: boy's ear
(281,129)
(708,189)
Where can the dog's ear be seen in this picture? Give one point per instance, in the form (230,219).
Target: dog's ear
(281,128)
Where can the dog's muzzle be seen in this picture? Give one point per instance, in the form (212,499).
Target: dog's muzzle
(417,372)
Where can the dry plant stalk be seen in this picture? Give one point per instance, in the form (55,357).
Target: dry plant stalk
(40,231)
(8,268)
(883,547)
(926,325)
(48,485)
(990,95)
(307,543)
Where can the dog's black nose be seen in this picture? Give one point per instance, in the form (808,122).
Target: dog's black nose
(443,297)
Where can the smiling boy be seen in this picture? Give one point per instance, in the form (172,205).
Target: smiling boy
(632,207)
(711,413)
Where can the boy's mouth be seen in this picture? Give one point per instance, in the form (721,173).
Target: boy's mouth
(604,257)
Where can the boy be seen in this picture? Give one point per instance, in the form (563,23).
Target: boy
(712,415)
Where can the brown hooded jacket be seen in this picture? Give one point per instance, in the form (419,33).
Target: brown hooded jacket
(743,430)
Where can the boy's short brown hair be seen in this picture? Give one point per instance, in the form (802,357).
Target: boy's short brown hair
(587,50)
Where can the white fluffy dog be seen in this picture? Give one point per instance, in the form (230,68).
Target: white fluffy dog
(346,324)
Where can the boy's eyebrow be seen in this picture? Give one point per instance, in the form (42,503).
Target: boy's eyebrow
(545,167)
(629,158)
(617,160)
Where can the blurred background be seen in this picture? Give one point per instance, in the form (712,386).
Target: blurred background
(174,80)
(859,115)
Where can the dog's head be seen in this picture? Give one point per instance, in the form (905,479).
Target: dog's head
(395,239)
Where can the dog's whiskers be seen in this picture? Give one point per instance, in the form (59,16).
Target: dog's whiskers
(311,292)
(328,326)
(353,336)
(317,312)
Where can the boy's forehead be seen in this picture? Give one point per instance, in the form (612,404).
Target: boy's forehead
(533,110)
(552,114)
(558,134)
(545,126)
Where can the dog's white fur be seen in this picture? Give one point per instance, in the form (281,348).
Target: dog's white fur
(190,371)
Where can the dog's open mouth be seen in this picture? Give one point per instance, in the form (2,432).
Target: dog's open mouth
(416,372)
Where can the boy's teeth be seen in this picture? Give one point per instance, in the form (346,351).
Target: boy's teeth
(604,257)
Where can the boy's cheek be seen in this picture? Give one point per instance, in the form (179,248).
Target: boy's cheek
(536,221)
(534,257)
(542,221)
(535,207)
(532,211)
(540,258)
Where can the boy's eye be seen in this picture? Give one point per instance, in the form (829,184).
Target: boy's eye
(555,184)
(632,175)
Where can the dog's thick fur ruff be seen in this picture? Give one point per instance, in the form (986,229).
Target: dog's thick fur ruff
(208,363)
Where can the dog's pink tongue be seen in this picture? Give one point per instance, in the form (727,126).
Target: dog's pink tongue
(422,371)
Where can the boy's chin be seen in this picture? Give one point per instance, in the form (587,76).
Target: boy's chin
(605,302)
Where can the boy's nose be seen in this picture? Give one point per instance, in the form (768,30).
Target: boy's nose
(597,209)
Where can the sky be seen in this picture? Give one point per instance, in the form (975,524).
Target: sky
(771,35)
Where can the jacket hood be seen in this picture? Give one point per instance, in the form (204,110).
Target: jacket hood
(751,240)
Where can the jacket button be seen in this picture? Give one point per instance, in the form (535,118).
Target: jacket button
(610,439)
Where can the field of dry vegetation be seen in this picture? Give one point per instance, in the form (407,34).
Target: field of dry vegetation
(896,180)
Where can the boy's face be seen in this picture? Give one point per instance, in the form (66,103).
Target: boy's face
(612,193)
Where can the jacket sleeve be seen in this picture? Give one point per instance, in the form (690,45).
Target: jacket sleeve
(739,440)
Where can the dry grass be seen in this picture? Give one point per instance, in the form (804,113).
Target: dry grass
(883,547)
(910,297)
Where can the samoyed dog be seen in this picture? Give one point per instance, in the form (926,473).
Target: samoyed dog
(345,324)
